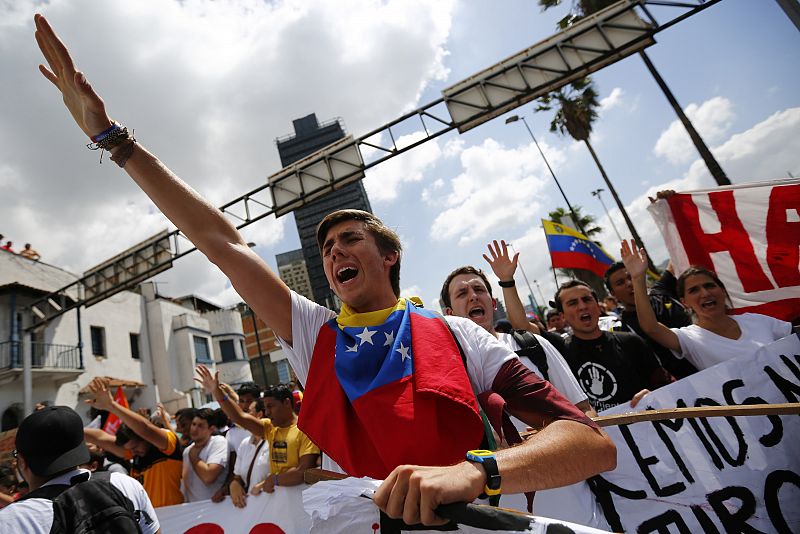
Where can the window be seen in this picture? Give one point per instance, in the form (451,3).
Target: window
(241,346)
(98,340)
(284,375)
(201,352)
(134,346)
(227,350)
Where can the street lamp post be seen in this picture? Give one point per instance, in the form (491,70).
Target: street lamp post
(544,300)
(515,118)
(531,298)
(596,193)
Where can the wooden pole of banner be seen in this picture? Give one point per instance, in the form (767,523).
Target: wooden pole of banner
(704,411)
(319,475)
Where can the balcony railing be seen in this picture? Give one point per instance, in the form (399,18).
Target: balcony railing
(43,356)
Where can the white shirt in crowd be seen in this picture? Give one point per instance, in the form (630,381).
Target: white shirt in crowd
(244,457)
(485,354)
(35,516)
(558,372)
(235,436)
(704,348)
(215,452)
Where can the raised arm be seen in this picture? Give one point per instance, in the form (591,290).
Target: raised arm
(104,440)
(139,424)
(635,260)
(211,385)
(164,416)
(504,268)
(203,224)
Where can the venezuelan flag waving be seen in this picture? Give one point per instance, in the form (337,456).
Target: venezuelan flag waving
(387,388)
(572,250)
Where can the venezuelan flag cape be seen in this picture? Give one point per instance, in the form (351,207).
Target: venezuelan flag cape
(387,388)
(572,250)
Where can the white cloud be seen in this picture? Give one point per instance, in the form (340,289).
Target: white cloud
(429,194)
(712,119)
(207,85)
(498,187)
(767,151)
(383,181)
(613,100)
(411,291)
(453,147)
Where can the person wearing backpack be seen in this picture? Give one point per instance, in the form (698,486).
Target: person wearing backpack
(65,498)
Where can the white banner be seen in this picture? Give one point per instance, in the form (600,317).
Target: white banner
(731,474)
(749,234)
(336,507)
(269,513)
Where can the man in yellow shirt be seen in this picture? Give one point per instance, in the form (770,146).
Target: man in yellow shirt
(291,452)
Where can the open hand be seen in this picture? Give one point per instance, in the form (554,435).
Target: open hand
(209,382)
(501,263)
(102,399)
(634,258)
(83,103)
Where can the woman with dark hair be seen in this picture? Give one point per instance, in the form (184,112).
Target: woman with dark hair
(715,336)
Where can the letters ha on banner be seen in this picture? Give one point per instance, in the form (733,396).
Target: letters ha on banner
(721,474)
(748,234)
(335,507)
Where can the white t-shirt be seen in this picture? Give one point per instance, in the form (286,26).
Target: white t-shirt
(558,371)
(244,456)
(35,516)
(485,354)
(215,452)
(235,436)
(704,348)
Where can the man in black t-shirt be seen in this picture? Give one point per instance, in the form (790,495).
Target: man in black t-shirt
(611,367)
(667,308)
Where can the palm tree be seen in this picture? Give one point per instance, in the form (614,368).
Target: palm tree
(586,222)
(583,8)
(576,111)
(590,229)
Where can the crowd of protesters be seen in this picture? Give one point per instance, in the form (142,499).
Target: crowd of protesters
(446,439)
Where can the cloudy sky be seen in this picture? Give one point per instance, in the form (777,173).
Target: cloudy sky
(209,85)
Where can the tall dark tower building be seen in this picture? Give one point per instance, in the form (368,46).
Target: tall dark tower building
(309,136)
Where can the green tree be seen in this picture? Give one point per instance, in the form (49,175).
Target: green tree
(583,8)
(587,221)
(575,112)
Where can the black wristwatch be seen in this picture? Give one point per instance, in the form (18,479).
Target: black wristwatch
(507,283)
(489,462)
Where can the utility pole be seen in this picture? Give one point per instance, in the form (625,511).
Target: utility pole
(544,300)
(573,216)
(531,298)
(713,167)
(596,193)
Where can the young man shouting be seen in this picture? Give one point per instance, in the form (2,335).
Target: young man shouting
(379,360)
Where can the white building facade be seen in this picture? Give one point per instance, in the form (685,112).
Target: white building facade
(136,336)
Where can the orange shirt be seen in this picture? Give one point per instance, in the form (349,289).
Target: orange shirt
(160,472)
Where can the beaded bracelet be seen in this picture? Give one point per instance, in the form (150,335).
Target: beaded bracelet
(102,135)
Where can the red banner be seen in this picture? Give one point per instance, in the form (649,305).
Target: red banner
(748,234)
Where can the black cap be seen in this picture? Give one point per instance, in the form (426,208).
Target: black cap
(51,440)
